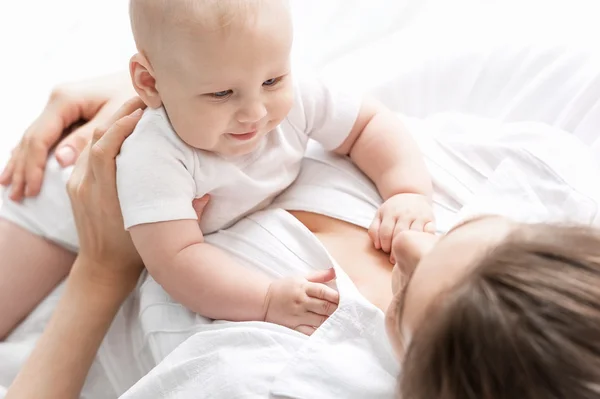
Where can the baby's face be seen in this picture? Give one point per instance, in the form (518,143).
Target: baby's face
(225,89)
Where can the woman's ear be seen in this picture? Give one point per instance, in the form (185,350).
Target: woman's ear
(144,82)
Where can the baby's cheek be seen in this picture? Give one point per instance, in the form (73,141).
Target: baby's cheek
(283,104)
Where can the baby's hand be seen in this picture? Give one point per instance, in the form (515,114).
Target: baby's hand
(302,304)
(399,213)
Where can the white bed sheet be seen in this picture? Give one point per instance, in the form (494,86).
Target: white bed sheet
(513,60)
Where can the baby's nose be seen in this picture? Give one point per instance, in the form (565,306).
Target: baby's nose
(252,113)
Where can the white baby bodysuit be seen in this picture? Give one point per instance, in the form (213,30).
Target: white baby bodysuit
(158,175)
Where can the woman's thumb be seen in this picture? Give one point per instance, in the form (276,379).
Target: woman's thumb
(69,149)
(199,204)
(321,276)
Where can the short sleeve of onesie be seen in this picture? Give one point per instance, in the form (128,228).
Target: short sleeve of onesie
(155,169)
(326,114)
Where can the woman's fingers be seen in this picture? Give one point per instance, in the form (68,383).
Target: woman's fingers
(109,142)
(61,111)
(7,173)
(69,149)
(36,154)
(78,173)
(107,145)
(18,178)
(129,107)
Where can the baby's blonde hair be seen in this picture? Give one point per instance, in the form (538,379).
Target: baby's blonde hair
(152,20)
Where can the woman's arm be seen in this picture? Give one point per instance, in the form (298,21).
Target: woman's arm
(62,357)
(82,106)
(105,272)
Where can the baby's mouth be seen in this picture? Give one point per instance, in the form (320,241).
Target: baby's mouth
(243,136)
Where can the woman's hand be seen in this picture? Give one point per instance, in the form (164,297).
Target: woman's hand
(92,189)
(86,105)
(105,271)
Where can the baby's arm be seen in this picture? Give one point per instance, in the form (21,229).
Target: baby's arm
(207,281)
(383,149)
(199,275)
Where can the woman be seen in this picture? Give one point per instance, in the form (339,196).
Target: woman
(518,317)
(360,266)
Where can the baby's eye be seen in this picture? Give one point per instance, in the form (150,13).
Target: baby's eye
(271,82)
(222,94)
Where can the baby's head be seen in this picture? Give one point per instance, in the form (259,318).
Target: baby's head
(498,310)
(220,68)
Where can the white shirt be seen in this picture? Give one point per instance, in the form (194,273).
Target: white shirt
(158,174)
(349,355)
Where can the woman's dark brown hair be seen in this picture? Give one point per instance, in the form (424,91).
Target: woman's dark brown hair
(524,324)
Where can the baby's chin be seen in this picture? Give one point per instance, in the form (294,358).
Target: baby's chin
(235,149)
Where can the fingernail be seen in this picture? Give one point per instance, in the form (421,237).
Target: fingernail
(65,156)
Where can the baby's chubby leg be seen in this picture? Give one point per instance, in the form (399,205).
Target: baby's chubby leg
(38,241)
(30,267)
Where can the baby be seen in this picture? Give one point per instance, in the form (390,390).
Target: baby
(227,118)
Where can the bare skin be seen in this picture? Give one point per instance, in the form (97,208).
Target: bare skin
(350,245)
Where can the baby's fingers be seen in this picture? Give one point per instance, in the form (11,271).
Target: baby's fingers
(306,330)
(418,225)
(429,227)
(321,307)
(386,232)
(312,319)
(323,292)
(374,231)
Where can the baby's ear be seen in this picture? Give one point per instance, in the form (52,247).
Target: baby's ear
(144,82)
